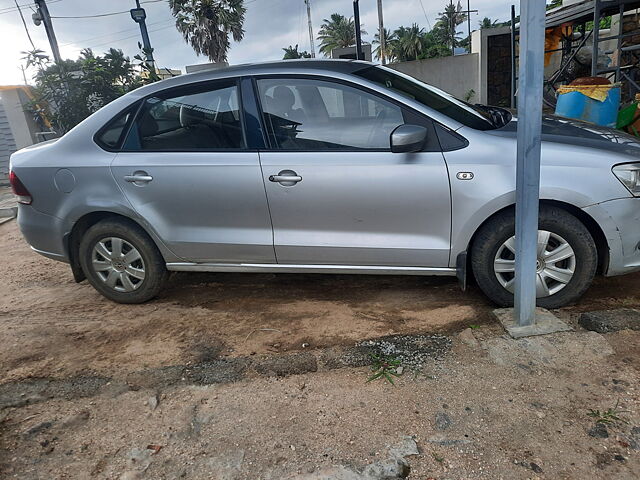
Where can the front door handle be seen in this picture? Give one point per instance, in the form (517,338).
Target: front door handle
(138,177)
(287,178)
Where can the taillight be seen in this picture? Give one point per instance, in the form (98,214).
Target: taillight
(19,189)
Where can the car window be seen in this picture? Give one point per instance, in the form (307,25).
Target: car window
(112,134)
(193,120)
(310,114)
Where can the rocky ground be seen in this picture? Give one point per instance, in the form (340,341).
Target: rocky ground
(265,377)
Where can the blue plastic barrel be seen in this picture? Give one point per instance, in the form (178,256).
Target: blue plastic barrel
(579,106)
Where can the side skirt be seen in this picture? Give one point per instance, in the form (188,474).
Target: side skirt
(279,268)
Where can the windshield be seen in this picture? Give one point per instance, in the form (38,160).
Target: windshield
(479,118)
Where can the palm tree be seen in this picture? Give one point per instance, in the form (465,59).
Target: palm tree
(337,32)
(446,26)
(409,42)
(389,39)
(293,53)
(206,25)
(488,23)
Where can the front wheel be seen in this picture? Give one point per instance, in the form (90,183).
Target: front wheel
(566,262)
(122,262)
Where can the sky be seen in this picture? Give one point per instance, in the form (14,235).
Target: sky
(270,25)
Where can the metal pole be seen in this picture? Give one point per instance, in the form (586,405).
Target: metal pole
(48,26)
(145,35)
(514,84)
(311,42)
(469,22)
(452,26)
(356,19)
(383,40)
(596,39)
(532,36)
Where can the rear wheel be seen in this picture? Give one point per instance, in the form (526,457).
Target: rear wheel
(122,262)
(566,263)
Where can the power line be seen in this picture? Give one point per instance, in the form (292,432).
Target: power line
(97,37)
(21,7)
(100,15)
(25,27)
(127,37)
(425,15)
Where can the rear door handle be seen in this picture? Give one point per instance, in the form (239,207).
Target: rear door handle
(286,178)
(138,178)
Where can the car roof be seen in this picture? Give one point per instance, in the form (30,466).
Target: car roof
(310,65)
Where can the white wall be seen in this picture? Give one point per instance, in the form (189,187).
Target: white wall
(455,75)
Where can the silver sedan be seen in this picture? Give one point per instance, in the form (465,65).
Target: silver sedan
(325,167)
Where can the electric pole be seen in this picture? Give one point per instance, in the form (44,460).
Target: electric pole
(452,26)
(139,15)
(356,20)
(469,12)
(42,16)
(311,43)
(383,40)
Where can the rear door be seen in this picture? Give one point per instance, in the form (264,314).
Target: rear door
(337,194)
(185,167)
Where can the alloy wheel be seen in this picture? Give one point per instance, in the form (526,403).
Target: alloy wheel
(118,264)
(555,266)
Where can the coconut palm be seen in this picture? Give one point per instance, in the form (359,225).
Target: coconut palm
(389,39)
(337,31)
(409,43)
(293,53)
(488,23)
(446,26)
(206,25)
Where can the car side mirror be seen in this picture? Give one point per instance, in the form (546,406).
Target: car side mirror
(408,138)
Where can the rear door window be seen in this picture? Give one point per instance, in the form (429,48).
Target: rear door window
(206,118)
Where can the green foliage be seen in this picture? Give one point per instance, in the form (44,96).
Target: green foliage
(71,91)
(384,366)
(291,53)
(337,31)
(610,416)
(206,25)
(488,23)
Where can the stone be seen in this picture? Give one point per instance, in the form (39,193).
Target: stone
(443,421)
(599,430)
(535,467)
(607,321)
(468,338)
(227,466)
(153,402)
(406,448)
(130,475)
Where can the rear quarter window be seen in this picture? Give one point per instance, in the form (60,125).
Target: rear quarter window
(111,136)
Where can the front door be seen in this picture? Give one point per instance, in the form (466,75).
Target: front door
(337,194)
(186,171)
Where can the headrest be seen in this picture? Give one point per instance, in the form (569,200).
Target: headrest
(190,116)
(284,97)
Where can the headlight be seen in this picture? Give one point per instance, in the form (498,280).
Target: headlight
(629,175)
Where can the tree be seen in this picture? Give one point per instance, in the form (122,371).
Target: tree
(389,39)
(446,27)
(206,25)
(409,42)
(488,23)
(70,91)
(337,32)
(291,53)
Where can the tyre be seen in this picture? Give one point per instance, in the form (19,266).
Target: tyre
(567,258)
(121,262)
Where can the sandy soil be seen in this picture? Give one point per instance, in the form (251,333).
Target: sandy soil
(51,326)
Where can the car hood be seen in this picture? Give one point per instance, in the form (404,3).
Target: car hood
(575,132)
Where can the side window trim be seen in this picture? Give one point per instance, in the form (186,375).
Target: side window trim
(199,87)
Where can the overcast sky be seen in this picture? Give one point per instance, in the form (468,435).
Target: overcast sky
(270,25)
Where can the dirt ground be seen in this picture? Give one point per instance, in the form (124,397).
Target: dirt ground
(487,408)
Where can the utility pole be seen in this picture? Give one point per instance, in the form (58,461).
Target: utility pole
(452,26)
(311,42)
(383,40)
(356,20)
(139,15)
(42,16)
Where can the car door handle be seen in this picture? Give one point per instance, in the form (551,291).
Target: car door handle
(286,178)
(138,178)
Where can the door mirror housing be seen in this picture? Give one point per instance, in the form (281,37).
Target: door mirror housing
(408,138)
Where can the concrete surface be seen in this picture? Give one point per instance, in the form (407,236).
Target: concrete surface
(546,322)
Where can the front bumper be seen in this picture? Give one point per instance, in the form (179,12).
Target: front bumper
(620,222)
(43,232)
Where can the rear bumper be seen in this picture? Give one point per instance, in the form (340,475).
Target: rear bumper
(44,233)
(620,222)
